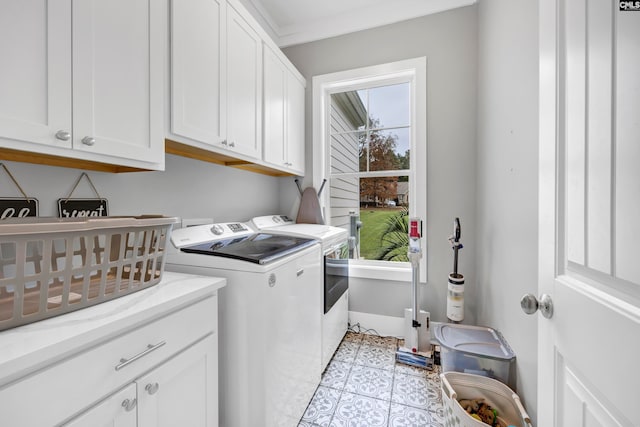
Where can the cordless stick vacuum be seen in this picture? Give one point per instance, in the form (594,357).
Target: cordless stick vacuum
(417,344)
(455,294)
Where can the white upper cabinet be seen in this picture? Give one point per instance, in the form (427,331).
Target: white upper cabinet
(295,123)
(216,81)
(35,76)
(221,85)
(117,88)
(283,114)
(244,86)
(198,94)
(83,80)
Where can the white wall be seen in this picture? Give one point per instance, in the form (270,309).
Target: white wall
(187,188)
(507,187)
(448,40)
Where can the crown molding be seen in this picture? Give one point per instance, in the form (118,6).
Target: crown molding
(376,15)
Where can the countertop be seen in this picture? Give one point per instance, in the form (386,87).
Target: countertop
(27,348)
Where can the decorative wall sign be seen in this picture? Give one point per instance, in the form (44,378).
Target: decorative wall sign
(18,207)
(73,208)
(76,208)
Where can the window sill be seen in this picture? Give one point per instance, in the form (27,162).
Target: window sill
(371,270)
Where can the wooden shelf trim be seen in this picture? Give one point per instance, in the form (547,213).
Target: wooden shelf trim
(179,149)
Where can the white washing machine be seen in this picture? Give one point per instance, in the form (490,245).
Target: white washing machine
(335,275)
(270,331)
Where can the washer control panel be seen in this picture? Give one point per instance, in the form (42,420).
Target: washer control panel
(209,232)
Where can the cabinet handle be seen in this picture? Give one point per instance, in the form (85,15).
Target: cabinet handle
(63,135)
(124,362)
(233,144)
(87,140)
(129,404)
(300,272)
(152,388)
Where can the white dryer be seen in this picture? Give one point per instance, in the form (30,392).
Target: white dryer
(270,332)
(335,274)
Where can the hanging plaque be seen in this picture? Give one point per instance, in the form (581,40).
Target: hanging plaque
(76,208)
(18,208)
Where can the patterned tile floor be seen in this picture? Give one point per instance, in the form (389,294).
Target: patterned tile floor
(364,387)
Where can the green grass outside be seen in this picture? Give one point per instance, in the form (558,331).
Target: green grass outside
(373,224)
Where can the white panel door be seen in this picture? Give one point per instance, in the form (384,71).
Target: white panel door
(183,391)
(198,73)
(118,410)
(244,86)
(589,212)
(35,71)
(117,59)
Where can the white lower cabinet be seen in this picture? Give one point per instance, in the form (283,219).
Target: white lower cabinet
(176,393)
(179,392)
(154,373)
(117,410)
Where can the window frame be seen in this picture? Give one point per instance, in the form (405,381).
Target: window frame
(413,71)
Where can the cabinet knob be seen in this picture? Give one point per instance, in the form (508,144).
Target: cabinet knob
(88,140)
(63,135)
(152,388)
(233,144)
(129,404)
(224,142)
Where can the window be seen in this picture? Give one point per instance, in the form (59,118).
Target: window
(370,146)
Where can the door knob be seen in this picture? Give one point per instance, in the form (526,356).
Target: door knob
(530,304)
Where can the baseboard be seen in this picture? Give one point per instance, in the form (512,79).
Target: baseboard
(382,325)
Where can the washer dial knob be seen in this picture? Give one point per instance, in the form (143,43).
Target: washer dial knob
(217,229)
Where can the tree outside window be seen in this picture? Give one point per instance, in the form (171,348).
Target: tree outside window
(370,167)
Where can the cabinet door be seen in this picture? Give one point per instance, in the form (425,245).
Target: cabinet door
(275,81)
(118,410)
(283,115)
(35,75)
(183,391)
(197,72)
(118,60)
(244,86)
(295,124)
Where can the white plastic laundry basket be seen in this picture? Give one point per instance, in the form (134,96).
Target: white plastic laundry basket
(51,266)
(457,385)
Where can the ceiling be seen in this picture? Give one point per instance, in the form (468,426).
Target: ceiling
(292,22)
